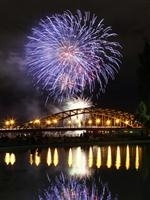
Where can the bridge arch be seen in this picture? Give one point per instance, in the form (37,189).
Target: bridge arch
(89,117)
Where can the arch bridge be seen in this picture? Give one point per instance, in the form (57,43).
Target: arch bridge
(87,118)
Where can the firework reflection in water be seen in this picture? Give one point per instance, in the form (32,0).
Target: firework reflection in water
(64,187)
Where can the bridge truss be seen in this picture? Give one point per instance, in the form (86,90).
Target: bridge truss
(88,117)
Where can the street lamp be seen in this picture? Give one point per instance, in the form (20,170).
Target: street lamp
(9,123)
(127,122)
(12,122)
(97,121)
(48,122)
(55,121)
(36,122)
(117,121)
(108,122)
(90,122)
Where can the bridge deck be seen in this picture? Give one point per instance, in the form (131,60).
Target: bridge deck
(57,129)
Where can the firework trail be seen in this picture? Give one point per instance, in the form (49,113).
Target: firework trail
(72,188)
(66,54)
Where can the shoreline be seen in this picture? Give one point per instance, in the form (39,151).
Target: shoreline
(73,142)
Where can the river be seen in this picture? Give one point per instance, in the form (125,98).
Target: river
(112,171)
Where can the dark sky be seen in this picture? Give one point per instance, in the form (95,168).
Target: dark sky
(129,19)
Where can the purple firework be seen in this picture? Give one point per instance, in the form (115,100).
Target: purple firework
(66,54)
(73,188)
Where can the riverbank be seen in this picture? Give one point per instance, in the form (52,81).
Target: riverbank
(72,141)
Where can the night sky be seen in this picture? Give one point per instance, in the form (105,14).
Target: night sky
(18,98)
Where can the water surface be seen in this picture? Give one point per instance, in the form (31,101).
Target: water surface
(26,172)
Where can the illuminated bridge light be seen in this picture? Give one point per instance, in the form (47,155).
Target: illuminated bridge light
(12,121)
(98,121)
(7,123)
(37,121)
(48,122)
(90,122)
(108,122)
(55,121)
(117,121)
(105,118)
(127,122)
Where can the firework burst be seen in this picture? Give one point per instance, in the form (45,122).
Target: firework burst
(66,54)
(77,103)
(72,188)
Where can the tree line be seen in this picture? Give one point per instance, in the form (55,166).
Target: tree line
(143,75)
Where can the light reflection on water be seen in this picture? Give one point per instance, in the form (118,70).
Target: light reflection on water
(10,158)
(118,158)
(127,157)
(98,160)
(79,160)
(49,157)
(70,159)
(122,162)
(107,156)
(56,158)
